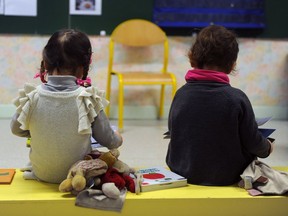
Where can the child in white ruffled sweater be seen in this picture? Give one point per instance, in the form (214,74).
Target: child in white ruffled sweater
(59,115)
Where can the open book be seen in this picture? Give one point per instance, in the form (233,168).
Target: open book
(159,178)
(266,132)
(95,144)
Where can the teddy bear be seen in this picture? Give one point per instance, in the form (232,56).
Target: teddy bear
(101,170)
(80,173)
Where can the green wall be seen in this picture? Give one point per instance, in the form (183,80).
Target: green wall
(54,15)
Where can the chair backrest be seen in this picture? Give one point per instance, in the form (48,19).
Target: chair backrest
(138,32)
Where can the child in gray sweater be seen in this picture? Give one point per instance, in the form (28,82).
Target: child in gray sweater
(59,115)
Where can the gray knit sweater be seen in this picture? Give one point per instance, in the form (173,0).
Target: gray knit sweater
(60,117)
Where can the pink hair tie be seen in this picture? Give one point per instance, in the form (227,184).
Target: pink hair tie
(41,75)
(81,82)
(85,83)
(36,75)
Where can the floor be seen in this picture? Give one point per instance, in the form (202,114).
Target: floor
(143,144)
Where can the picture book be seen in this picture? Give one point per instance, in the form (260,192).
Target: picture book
(95,144)
(262,121)
(6,175)
(266,132)
(159,178)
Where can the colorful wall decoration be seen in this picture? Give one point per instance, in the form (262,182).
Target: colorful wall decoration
(262,68)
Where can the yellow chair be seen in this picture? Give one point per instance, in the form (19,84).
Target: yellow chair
(138,33)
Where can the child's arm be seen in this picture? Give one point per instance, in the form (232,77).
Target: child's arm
(15,127)
(104,134)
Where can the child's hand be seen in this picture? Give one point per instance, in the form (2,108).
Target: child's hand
(119,135)
(271,145)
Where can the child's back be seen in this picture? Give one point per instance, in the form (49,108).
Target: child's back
(59,115)
(214,135)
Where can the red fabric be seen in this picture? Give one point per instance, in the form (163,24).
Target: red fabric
(130,184)
(120,180)
(206,75)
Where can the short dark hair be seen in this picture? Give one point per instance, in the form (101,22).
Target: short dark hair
(67,49)
(214,46)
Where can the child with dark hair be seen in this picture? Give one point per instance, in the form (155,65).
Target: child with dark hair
(214,135)
(60,115)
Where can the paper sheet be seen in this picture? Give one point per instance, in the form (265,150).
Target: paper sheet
(20,7)
(1,7)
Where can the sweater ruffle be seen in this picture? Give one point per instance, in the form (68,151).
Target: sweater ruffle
(90,102)
(23,104)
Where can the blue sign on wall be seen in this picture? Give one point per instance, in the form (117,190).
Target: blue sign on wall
(195,13)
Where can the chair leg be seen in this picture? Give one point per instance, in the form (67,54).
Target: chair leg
(174,89)
(108,93)
(120,103)
(173,84)
(161,105)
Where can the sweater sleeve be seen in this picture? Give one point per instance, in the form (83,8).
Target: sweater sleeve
(15,127)
(103,133)
(252,139)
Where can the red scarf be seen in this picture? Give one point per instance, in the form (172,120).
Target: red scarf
(206,75)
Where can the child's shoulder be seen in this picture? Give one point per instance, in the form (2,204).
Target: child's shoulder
(93,92)
(29,87)
(238,92)
(27,91)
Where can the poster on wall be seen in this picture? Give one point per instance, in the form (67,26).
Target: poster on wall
(1,7)
(20,7)
(85,7)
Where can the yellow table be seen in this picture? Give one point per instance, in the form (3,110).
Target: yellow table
(29,198)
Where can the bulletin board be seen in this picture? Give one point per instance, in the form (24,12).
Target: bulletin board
(54,15)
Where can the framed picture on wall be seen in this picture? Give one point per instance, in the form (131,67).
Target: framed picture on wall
(85,7)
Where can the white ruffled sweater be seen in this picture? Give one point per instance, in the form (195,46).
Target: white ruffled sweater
(60,126)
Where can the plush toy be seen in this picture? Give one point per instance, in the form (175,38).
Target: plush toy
(110,157)
(99,170)
(123,168)
(119,179)
(118,173)
(80,172)
(93,155)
